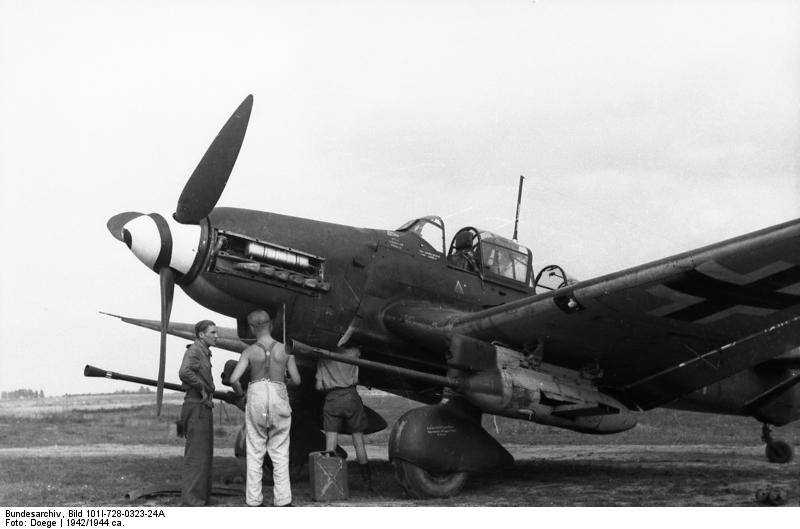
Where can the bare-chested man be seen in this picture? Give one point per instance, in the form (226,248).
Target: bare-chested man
(268,416)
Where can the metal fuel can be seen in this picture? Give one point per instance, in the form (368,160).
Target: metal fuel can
(328,476)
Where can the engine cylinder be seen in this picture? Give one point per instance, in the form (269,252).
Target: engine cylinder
(277,256)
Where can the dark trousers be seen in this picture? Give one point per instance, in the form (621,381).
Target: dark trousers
(198,426)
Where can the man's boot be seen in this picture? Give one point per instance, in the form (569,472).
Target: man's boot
(366,475)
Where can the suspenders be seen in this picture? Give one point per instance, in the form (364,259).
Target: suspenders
(263,348)
(267,350)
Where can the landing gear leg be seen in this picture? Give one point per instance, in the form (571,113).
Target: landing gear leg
(777,451)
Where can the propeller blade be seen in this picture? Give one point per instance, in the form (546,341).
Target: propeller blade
(204,187)
(119,220)
(167,277)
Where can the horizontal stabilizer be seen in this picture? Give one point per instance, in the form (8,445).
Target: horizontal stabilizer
(773,392)
(788,360)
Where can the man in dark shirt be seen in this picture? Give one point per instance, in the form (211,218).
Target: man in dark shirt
(197,417)
(343,411)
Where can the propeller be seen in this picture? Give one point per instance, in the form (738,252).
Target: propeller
(204,187)
(116,223)
(167,280)
(155,240)
(198,198)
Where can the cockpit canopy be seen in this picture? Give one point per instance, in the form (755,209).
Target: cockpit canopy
(430,229)
(491,255)
(483,252)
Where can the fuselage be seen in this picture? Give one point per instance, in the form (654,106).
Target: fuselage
(333,284)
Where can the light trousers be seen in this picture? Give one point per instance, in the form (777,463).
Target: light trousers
(268,418)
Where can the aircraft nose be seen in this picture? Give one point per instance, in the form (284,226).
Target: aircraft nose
(158,241)
(116,224)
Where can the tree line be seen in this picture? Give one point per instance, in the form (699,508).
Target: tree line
(39,394)
(22,394)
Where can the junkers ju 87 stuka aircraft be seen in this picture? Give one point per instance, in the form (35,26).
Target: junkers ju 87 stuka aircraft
(470,329)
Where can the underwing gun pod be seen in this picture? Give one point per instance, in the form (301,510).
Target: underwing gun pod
(548,394)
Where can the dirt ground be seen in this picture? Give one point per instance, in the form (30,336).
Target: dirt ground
(543,475)
(95,453)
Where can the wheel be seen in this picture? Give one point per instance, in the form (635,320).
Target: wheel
(420,483)
(779,452)
(762,495)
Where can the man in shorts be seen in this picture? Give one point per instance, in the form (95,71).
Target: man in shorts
(343,411)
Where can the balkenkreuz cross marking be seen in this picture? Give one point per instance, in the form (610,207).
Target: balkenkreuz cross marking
(716,296)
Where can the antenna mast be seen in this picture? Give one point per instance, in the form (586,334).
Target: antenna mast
(519,199)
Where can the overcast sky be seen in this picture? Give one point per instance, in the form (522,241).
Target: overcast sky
(644,129)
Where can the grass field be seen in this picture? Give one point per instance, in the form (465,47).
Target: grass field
(92,450)
(131,419)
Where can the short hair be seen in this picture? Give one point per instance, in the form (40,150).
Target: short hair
(201,326)
(258,319)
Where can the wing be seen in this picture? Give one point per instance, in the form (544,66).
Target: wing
(228,338)
(662,330)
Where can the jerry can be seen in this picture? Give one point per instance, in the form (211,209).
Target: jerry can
(328,476)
